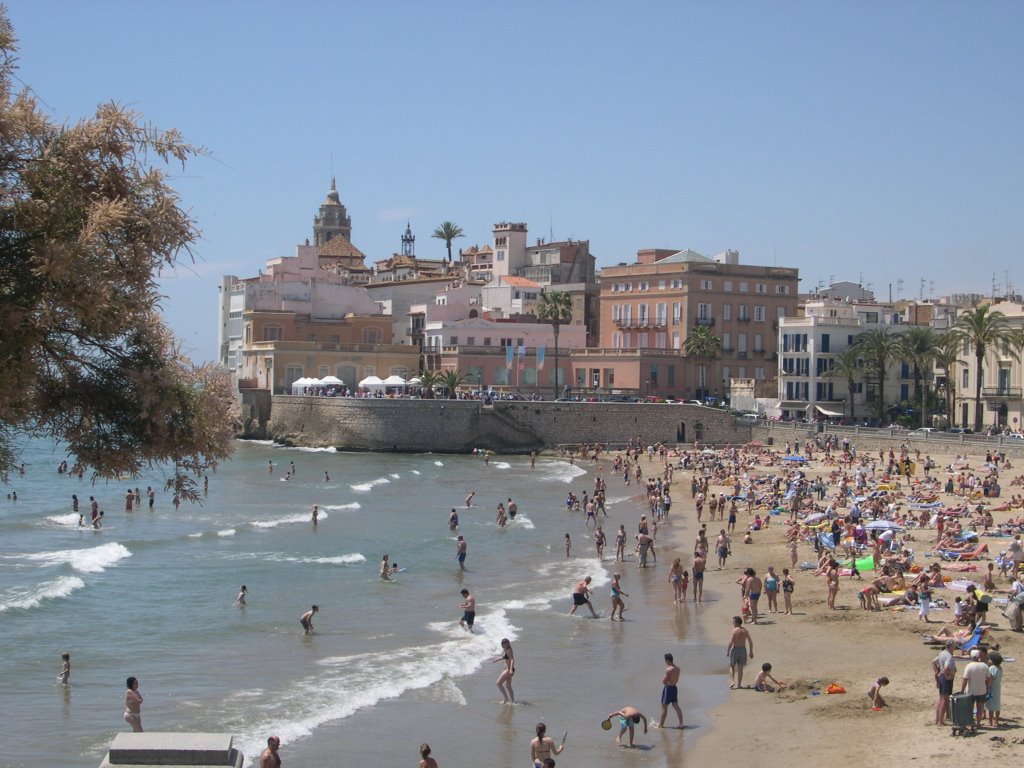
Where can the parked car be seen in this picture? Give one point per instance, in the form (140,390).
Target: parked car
(924,430)
(960,430)
(750,417)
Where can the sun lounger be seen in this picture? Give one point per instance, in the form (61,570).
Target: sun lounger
(957,555)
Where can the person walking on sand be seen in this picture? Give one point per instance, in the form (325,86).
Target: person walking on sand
(617,595)
(460,552)
(629,717)
(133,705)
(505,678)
(944,669)
(581,596)
(269,757)
(468,606)
(670,691)
(620,544)
(543,746)
(306,619)
(699,564)
(737,651)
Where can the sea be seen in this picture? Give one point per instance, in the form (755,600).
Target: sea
(152,594)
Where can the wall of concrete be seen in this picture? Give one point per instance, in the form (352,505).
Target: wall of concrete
(457,426)
(871,439)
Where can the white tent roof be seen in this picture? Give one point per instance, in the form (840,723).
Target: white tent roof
(331,380)
(415,380)
(303,382)
(371,381)
(313,382)
(826,412)
(394,380)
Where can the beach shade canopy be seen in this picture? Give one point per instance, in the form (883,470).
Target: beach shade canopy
(797,459)
(812,519)
(394,380)
(882,525)
(313,383)
(415,381)
(303,382)
(371,382)
(331,381)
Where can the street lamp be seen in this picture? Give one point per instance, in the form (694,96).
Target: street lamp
(648,387)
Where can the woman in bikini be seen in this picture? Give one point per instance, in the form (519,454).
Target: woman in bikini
(543,747)
(505,678)
(133,705)
(617,595)
(675,575)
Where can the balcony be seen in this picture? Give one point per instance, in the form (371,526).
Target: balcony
(760,352)
(708,321)
(742,355)
(643,322)
(743,319)
(1006,393)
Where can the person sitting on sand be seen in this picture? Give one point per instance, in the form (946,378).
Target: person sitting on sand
(765,683)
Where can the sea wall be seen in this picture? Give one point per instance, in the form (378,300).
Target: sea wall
(457,426)
(777,434)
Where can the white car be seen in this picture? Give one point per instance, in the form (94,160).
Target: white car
(923,430)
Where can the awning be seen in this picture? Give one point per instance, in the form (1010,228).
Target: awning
(826,412)
(791,405)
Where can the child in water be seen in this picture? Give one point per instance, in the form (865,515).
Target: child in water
(65,670)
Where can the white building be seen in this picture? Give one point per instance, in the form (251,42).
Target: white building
(807,348)
(1002,386)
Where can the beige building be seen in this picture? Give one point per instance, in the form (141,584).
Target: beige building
(647,310)
(1002,388)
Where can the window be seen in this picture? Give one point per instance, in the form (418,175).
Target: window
(506,342)
(782,289)
(500,256)
(677,284)
(453,341)
(616,312)
(519,342)
(335,339)
(642,314)
(743,372)
(272,332)
(671,375)
(369,370)
(654,375)
(727,285)
(702,375)
(743,288)
(660,313)
(644,286)
(759,313)
(966,379)
(676,344)
(825,342)
(374,336)
(324,370)
(703,311)
(515,295)
(677,312)
(759,374)
(760,288)
(705,285)
(471,341)
(727,342)
(660,339)
(726,370)
(617,340)
(727,311)
(741,342)
(744,312)
(780,312)
(758,342)
(641,340)
(293,373)
(661,285)
(487,341)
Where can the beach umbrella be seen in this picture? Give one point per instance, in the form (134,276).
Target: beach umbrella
(882,525)
(798,459)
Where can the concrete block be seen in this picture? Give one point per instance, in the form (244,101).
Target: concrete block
(129,750)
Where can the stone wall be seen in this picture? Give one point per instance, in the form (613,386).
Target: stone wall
(457,426)
(777,434)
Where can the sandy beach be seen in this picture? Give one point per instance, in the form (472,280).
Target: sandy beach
(848,646)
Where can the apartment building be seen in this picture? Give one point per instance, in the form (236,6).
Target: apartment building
(649,308)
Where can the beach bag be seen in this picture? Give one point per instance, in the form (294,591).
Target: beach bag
(833,688)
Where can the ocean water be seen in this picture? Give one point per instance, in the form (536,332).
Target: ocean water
(152,594)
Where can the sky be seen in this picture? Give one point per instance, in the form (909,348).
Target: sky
(876,142)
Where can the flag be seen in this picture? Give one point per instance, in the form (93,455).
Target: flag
(522,358)
(540,358)
(509,352)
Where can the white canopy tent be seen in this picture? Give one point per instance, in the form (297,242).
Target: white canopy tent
(299,385)
(371,382)
(331,381)
(394,380)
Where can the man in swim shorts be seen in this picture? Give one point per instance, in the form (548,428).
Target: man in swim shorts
(306,620)
(468,606)
(269,757)
(581,596)
(737,651)
(460,553)
(629,717)
(699,564)
(670,692)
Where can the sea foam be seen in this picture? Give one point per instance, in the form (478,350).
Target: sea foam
(92,560)
(303,517)
(25,599)
(365,487)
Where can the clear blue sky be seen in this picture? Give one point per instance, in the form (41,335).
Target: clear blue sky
(874,138)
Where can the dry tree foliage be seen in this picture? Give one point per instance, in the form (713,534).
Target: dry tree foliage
(87,221)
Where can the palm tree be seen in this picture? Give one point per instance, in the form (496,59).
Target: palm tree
(946,356)
(983,329)
(917,348)
(555,307)
(702,343)
(427,381)
(448,231)
(452,380)
(847,365)
(878,348)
